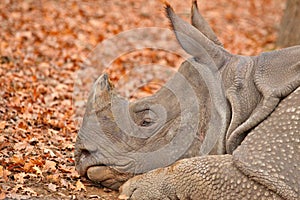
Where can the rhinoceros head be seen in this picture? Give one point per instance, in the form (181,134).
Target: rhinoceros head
(119,138)
(206,108)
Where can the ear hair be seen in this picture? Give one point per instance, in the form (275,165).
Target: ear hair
(196,43)
(201,24)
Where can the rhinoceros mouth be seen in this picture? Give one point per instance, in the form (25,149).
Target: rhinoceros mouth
(104,173)
(84,160)
(87,160)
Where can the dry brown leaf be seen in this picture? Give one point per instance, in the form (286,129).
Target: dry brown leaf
(37,170)
(52,154)
(20,177)
(17,160)
(64,183)
(44,65)
(49,166)
(74,173)
(2,138)
(2,125)
(66,169)
(52,187)
(23,125)
(32,164)
(68,146)
(1,171)
(54,178)
(29,150)
(28,166)
(80,186)
(20,145)
(2,195)
(4,173)
(61,87)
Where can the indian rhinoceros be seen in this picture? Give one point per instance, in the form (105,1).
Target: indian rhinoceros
(224,127)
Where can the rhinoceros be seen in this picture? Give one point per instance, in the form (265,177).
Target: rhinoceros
(223,127)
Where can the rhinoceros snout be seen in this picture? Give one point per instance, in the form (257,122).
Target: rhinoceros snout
(82,156)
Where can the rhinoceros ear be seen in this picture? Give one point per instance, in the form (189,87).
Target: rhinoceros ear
(201,24)
(196,43)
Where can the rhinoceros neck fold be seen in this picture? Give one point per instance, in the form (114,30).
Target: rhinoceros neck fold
(214,141)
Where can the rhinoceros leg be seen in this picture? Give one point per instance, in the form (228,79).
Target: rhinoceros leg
(270,154)
(207,177)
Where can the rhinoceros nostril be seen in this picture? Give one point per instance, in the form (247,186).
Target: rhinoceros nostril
(85,153)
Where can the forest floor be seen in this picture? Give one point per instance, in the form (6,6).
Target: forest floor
(43,46)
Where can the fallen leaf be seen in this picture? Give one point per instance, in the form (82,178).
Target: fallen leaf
(4,173)
(61,194)
(38,170)
(52,187)
(80,186)
(49,166)
(17,160)
(28,166)
(23,125)
(2,195)
(68,146)
(2,138)
(34,162)
(2,124)
(52,154)
(64,183)
(53,178)
(61,87)
(66,169)
(1,171)
(74,173)
(20,177)
(20,145)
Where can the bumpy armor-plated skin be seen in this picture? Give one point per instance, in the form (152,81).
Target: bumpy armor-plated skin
(246,110)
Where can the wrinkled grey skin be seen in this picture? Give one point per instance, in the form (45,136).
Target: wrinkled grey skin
(242,126)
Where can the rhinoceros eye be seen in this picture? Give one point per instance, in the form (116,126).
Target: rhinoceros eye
(147,118)
(146,122)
